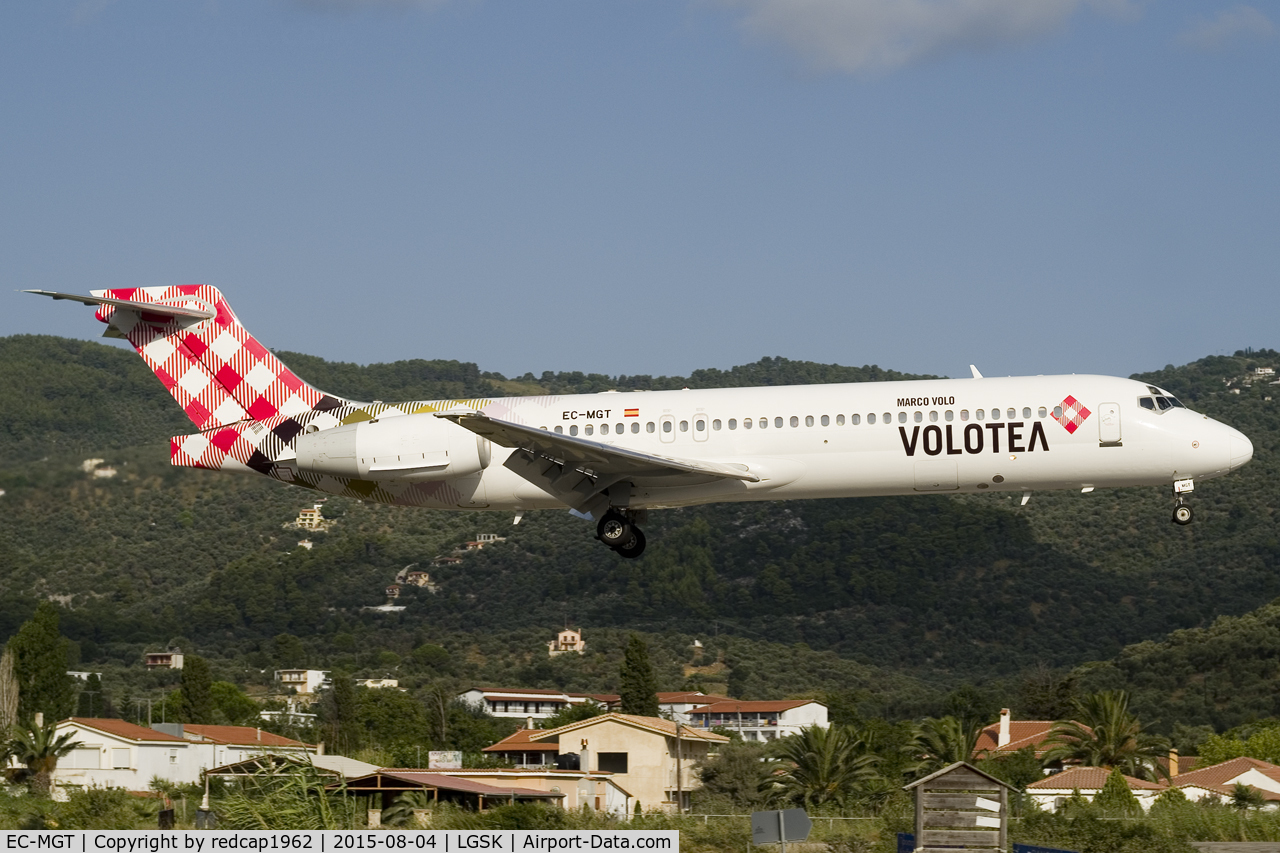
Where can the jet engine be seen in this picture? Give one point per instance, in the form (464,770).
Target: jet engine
(405,447)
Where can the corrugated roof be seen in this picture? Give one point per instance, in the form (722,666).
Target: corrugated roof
(122,729)
(735,705)
(1089,779)
(454,783)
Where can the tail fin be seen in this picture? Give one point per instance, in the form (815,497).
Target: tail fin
(212,366)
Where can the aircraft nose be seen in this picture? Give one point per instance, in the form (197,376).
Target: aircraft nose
(1241,449)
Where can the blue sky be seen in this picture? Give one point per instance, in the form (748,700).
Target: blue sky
(654,187)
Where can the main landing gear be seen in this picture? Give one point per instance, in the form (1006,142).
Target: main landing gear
(1182,513)
(620,533)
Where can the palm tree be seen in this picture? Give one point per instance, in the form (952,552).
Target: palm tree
(946,740)
(39,748)
(1107,735)
(817,765)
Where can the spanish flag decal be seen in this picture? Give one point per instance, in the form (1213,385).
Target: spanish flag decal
(631,413)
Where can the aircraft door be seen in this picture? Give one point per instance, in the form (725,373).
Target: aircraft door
(667,429)
(1109,424)
(701,423)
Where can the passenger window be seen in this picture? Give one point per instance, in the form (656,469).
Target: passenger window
(684,426)
(559,430)
(635,426)
(919,416)
(795,422)
(619,429)
(902,416)
(777,423)
(980,414)
(1057,412)
(649,427)
(1043,412)
(808,420)
(700,425)
(995,414)
(573,430)
(964,414)
(588,429)
(733,423)
(933,417)
(715,424)
(1026,412)
(871,418)
(840,420)
(950,415)
(1012,413)
(764,423)
(826,421)
(666,426)
(747,423)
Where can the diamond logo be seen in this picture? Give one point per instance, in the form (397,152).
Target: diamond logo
(1071,413)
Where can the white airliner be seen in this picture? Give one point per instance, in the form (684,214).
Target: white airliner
(613,456)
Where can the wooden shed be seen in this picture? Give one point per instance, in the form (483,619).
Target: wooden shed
(960,806)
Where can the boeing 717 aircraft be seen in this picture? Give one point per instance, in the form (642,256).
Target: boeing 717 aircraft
(612,457)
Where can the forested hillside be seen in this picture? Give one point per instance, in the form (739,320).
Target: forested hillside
(944,589)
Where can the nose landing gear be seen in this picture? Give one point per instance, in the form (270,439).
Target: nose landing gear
(620,533)
(1182,513)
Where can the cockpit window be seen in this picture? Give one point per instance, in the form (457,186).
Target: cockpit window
(1154,390)
(1160,403)
(1147,403)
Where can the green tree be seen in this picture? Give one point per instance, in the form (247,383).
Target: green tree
(232,705)
(818,766)
(1115,799)
(1107,734)
(948,740)
(340,713)
(733,778)
(91,702)
(197,692)
(39,748)
(40,665)
(639,686)
(1245,798)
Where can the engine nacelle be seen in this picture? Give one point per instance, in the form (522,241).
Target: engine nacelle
(404,447)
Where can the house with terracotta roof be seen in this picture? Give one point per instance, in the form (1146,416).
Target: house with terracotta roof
(678,705)
(518,749)
(651,758)
(1010,735)
(1218,780)
(1052,791)
(119,754)
(760,720)
(528,703)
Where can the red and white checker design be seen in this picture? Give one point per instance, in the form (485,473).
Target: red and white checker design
(215,369)
(1073,414)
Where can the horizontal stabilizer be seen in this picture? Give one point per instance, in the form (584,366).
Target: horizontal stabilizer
(130,305)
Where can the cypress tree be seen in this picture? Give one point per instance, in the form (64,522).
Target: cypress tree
(8,693)
(92,701)
(40,655)
(639,686)
(197,691)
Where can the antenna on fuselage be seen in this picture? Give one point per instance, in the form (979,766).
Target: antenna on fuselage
(976,374)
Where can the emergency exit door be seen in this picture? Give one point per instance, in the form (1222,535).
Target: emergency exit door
(1109,424)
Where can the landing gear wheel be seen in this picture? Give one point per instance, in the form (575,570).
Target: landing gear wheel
(1182,514)
(634,547)
(614,530)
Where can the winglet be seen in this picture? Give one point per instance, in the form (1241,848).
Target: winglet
(976,374)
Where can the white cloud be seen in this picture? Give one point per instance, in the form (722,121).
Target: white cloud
(865,36)
(1234,23)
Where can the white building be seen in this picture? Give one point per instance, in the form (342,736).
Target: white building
(525,703)
(1052,791)
(1219,780)
(379,683)
(302,680)
(760,720)
(119,754)
(676,706)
